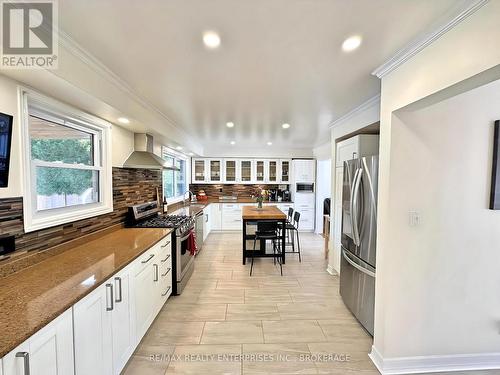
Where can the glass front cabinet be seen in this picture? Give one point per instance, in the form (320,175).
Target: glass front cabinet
(215,170)
(199,167)
(246,170)
(285,167)
(260,171)
(231,170)
(272,171)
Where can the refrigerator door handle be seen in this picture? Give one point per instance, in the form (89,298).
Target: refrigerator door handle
(370,185)
(357,266)
(354,210)
(351,203)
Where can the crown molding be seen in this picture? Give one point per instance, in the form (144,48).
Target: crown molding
(370,103)
(96,65)
(454,17)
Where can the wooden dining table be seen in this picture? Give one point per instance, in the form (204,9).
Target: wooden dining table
(253,214)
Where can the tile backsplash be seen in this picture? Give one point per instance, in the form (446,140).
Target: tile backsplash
(238,190)
(130,186)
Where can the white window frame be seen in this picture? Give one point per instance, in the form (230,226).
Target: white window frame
(32,102)
(187,172)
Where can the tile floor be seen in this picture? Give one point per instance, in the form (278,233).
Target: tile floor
(227,322)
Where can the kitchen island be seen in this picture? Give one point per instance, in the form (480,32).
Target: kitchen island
(252,214)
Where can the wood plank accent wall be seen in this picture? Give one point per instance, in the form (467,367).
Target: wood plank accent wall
(238,190)
(130,186)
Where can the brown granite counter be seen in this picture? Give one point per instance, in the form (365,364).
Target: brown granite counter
(33,297)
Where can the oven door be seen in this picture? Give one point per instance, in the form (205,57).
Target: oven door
(184,257)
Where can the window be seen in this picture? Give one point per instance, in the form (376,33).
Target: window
(174,182)
(67,173)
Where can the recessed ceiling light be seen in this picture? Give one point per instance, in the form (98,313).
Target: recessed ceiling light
(191,154)
(211,39)
(285,126)
(179,148)
(269,143)
(351,43)
(230,124)
(123,120)
(233,142)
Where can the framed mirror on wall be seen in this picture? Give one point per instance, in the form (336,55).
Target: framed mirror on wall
(495,178)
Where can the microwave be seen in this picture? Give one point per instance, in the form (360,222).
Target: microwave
(304,187)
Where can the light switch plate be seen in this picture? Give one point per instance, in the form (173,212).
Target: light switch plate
(414,218)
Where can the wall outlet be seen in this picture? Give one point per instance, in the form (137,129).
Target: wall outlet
(414,218)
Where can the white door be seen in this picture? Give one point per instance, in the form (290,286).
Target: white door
(206,222)
(216,216)
(144,300)
(47,352)
(93,332)
(122,322)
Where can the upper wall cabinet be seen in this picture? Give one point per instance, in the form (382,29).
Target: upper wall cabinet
(284,169)
(356,147)
(304,170)
(215,170)
(231,171)
(245,171)
(199,171)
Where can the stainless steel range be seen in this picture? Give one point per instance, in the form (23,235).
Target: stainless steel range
(147,215)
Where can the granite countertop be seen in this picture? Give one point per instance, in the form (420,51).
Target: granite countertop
(33,297)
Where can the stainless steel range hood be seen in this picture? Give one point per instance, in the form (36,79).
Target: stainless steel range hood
(143,157)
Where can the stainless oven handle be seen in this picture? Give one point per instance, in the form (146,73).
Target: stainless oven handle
(184,238)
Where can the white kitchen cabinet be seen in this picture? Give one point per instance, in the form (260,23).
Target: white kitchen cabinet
(231,216)
(215,174)
(93,333)
(284,207)
(231,171)
(122,320)
(271,171)
(207,222)
(304,170)
(216,216)
(356,147)
(305,204)
(144,294)
(284,170)
(260,174)
(47,352)
(247,173)
(199,170)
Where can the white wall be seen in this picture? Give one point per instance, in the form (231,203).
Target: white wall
(323,189)
(439,292)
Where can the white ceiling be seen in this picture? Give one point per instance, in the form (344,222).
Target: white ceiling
(279,61)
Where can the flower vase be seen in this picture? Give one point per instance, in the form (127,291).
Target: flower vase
(259,204)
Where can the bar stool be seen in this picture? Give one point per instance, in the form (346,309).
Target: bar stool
(293,228)
(268,230)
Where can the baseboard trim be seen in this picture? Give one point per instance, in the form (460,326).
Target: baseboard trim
(435,363)
(331,270)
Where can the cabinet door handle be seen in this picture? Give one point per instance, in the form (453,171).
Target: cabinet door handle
(164,260)
(166,272)
(206,218)
(26,361)
(155,266)
(166,244)
(119,293)
(166,292)
(147,260)
(111,299)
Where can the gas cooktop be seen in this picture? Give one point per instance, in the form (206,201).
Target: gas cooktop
(164,221)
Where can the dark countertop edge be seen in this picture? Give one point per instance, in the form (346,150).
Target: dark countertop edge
(19,340)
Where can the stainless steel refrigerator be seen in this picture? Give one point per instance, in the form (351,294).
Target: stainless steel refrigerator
(359,233)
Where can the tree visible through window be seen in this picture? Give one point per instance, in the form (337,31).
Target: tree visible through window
(174,182)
